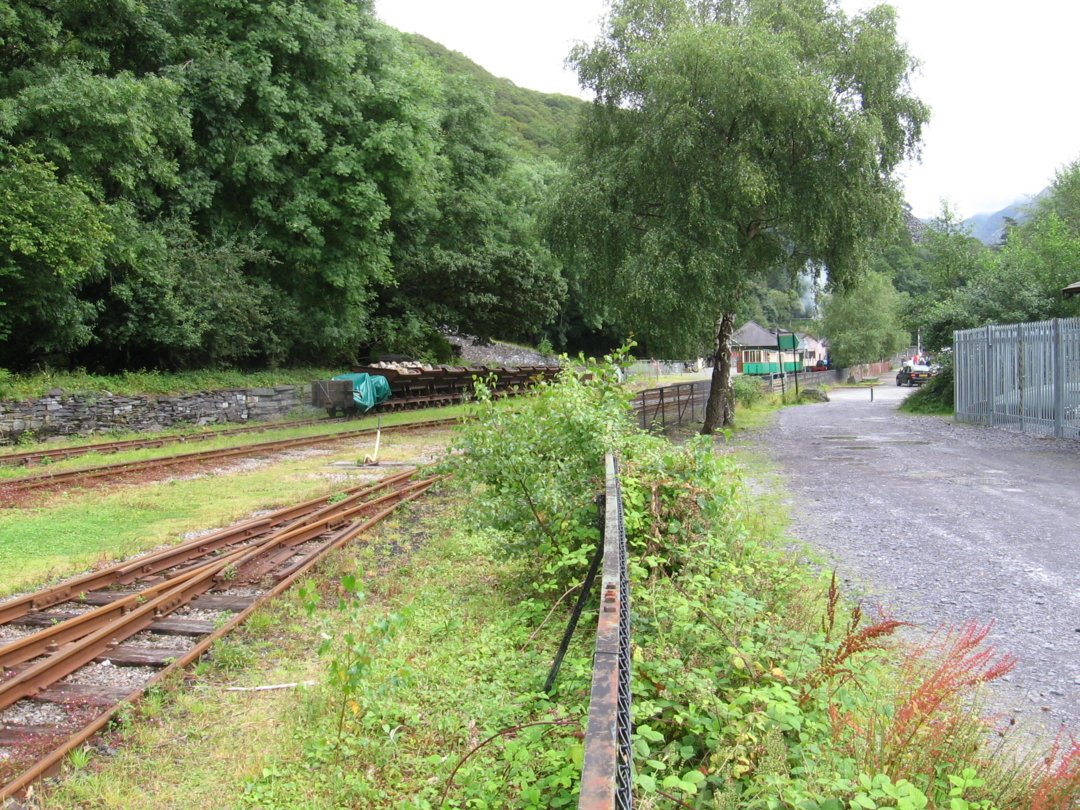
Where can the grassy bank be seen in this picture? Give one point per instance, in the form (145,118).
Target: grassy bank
(134,383)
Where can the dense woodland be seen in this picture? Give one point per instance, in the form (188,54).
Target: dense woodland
(186,184)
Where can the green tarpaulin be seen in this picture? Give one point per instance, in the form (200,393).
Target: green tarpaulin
(368,389)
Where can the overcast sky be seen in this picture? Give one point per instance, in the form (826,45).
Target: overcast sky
(1002,78)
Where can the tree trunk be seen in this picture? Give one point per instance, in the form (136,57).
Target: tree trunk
(720,410)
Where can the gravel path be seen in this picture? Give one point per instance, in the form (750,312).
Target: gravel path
(940,522)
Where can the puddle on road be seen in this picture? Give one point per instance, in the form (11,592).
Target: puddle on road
(905,441)
(838,438)
(860,447)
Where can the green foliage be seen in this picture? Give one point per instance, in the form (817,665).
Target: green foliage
(728,140)
(748,391)
(864,322)
(938,394)
(349,657)
(539,460)
(479,241)
(539,123)
(188,184)
(52,238)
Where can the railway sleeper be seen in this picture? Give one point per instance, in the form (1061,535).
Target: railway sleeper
(11,735)
(83,694)
(137,655)
(167,626)
(231,603)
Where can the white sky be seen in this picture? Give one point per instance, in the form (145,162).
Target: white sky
(1002,79)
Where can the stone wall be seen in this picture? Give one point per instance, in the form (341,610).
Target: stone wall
(60,414)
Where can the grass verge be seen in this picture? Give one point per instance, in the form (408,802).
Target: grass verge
(71,531)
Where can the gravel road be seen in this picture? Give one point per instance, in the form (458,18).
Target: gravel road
(939,522)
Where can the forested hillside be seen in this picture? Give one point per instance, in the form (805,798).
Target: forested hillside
(186,184)
(539,124)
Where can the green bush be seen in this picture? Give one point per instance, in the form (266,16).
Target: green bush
(937,395)
(747,391)
(537,463)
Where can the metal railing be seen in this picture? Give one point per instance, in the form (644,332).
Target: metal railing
(1024,376)
(671,404)
(606,773)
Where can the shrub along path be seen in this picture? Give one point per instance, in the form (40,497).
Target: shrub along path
(946,522)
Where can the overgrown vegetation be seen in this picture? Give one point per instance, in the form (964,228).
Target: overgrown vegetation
(938,394)
(755,685)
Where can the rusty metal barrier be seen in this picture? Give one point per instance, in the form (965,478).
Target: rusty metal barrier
(678,403)
(606,773)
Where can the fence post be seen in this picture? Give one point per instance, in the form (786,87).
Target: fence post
(1057,358)
(991,382)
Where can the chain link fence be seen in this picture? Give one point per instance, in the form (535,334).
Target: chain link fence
(606,773)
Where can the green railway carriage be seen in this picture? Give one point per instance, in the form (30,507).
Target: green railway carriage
(764,361)
(755,350)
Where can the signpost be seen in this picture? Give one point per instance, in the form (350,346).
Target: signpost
(788,341)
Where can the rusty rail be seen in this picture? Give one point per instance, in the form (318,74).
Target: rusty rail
(76,450)
(606,773)
(60,649)
(29,482)
(145,565)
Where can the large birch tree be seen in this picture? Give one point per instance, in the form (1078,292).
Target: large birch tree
(728,137)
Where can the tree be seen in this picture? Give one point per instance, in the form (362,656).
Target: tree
(1021,280)
(729,138)
(864,323)
(312,133)
(52,238)
(477,244)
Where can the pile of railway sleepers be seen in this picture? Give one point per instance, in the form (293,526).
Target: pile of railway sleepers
(416,385)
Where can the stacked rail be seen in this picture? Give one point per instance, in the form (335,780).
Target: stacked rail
(444,385)
(132,614)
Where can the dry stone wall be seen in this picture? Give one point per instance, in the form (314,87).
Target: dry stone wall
(60,414)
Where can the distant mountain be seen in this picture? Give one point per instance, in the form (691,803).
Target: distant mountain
(538,123)
(989,228)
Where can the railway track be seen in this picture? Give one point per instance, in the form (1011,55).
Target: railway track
(439,386)
(12,487)
(63,649)
(28,457)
